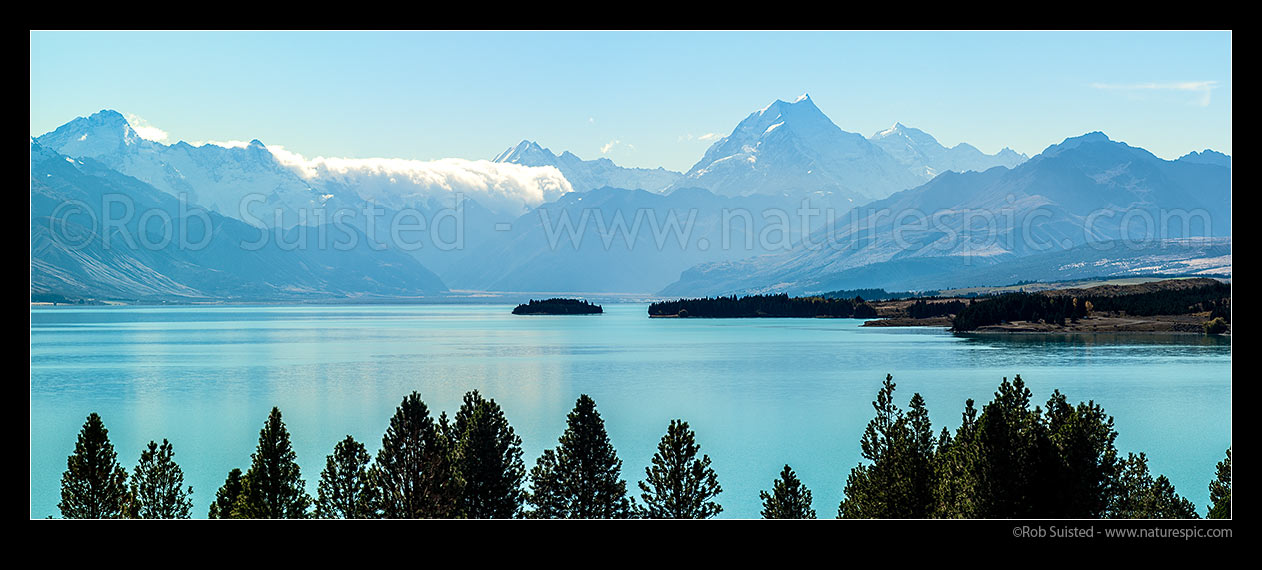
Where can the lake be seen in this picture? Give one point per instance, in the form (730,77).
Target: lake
(759,393)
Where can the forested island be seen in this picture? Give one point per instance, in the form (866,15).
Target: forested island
(1195,305)
(781,305)
(558,307)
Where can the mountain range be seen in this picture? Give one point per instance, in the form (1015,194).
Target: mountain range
(794,149)
(1088,194)
(530,220)
(585,175)
(925,157)
(98,233)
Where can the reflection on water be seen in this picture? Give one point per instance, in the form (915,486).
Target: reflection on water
(759,392)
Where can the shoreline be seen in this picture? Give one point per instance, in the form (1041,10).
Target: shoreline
(1156,324)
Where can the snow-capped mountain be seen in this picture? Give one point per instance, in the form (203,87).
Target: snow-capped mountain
(184,252)
(925,157)
(587,175)
(793,149)
(502,236)
(243,182)
(296,190)
(1086,193)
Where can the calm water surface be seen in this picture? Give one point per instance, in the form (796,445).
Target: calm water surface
(760,393)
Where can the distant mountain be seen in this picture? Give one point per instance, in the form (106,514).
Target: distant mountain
(1087,190)
(535,221)
(285,190)
(98,233)
(925,157)
(614,240)
(793,149)
(589,174)
(1207,157)
(223,176)
(1209,257)
(221,179)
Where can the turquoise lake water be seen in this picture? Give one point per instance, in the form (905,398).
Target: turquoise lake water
(759,393)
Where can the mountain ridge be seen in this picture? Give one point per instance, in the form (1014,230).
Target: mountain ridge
(501,246)
(588,174)
(188,254)
(1086,189)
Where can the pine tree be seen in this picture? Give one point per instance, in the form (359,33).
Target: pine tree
(866,491)
(414,472)
(1137,495)
(549,494)
(917,459)
(1083,438)
(581,478)
(273,487)
(788,499)
(488,460)
(94,485)
(955,468)
(346,489)
(1016,463)
(157,487)
(228,497)
(677,484)
(1220,490)
(900,480)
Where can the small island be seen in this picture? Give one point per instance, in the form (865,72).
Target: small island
(753,306)
(558,307)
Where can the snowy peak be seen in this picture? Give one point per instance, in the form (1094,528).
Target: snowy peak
(793,149)
(925,157)
(216,177)
(584,175)
(909,135)
(527,153)
(803,102)
(801,112)
(102,133)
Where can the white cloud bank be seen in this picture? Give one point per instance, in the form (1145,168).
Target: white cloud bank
(145,130)
(504,188)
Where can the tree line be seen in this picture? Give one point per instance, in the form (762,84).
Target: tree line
(1056,309)
(779,305)
(922,309)
(1214,298)
(1032,307)
(1007,461)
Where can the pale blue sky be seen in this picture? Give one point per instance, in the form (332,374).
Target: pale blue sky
(430,95)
